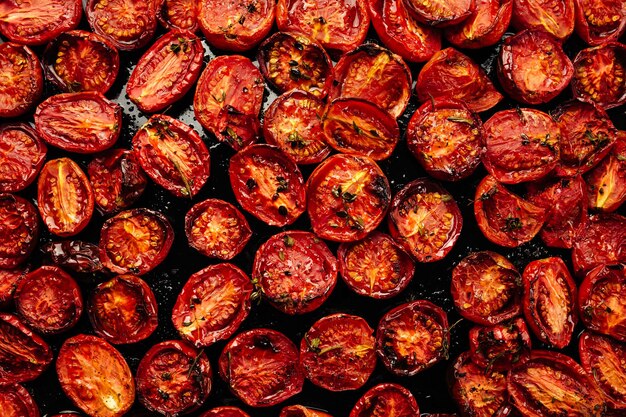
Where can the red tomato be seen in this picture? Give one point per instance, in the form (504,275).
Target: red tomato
(600,21)
(19,230)
(501,346)
(22,153)
(128,24)
(450,74)
(555,17)
(445,137)
(550,383)
(173,378)
(412,337)
(217,229)
(386,400)
(179,14)
(486,288)
(95,376)
(267,184)
(425,220)
(293,123)
(135,241)
(16,401)
(401,33)
(166,71)
(212,304)
(8,282)
(173,155)
(339,25)
(337,352)
(347,197)
(295,271)
(22,83)
(299,411)
(484,27)
(76,255)
(23,355)
(123,310)
(375,266)
(261,367)
(601,242)
(606,183)
(440,13)
(225,412)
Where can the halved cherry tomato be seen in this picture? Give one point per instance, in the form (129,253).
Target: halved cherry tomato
(375,266)
(267,184)
(179,14)
(600,21)
(440,13)
(16,401)
(19,230)
(501,346)
(298,411)
(348,197)
(128,24)
(95,376)
(450,74)
(173,154)
(294,62)
(401,33)
(446,139)
(606,183)
(81,61)
(425,220)
(225,412)
(22,79)
(386,400)
(486,288)
(8,282)
(338,352)
(173,378)
(261,367)
(23,354)
(123,310)
(293,123)
(550,383)
(505,218)
(601,242)
(412,337)
(166,71)
(212,304)
(76,255)
(295,271)
(22,153)
(135,241)
(355,126)
(217,229)
(555,17)
(484,27)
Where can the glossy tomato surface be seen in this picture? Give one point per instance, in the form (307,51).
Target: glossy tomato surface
(555,17)
(128,24)
(226,411)
(484,27)
(606,183)
(22,153)
(24,79)
(386,399)
(179,14)
(16,401)
(75,255)
(501,346)
(440,12)
(600,21)
(301,411)
(601,242)
(8,281)
(19,230)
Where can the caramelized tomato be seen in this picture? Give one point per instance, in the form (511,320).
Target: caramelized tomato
(179,14)
(22,153)
(600,21)
(128,24)
(440,12)
(76,255)
(555,17)
(16,401)
(22,79)
(601,242)
(225,412)
(19,230)
(606,183)
(8,282)
(386,399)
(501,346)
(484,27)
(300,411)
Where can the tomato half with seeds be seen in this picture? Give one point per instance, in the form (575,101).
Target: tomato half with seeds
(135,241)
(19,230)
(487,288)
(173,378)
(601,242)
(179,14)
(225,412)
(484,27)
(605,360)
(123,310)
(501,346)
(261,367)
(440,13)
(8,282)
(16,401)
(338,352)
(295,271)
(555,17)
(606,183)
(300,411)
(348,197)
(22,153)
(212,304)
(128,24)
(95,376)
(22,83)
(173,155)
(600,21)
(386,399)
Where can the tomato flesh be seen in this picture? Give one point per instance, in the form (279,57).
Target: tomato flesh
(225,412)
(501,346)
(301,411)
(484,27)
(606,183)
(22,79)
(440,13)
(22,153)
(600,21)
(16,401)
(555,17)
(179,14)
(128,24)
(8,282)
(19,230)
(386,399)
(601,242)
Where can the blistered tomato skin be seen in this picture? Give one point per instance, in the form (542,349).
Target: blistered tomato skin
(22,153)
(440,13)
(225,412)
(179,14)
(601,242)
(555,17)
(8,282)
(484,27)
(19,230)
(24,76)
(300,411)
(606,183)
(16,401)
(600,21)
(386,399)
(75,255)
(501,346)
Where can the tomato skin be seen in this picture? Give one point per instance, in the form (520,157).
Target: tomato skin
(600,21)
(23,154)
(606,183)
(19,230)
(555,17)
(76,255)
(601,242)
(22,66)
(225,412)
(8,282)
(300,411)
(388,398)
(179,14)
(16,401)
(484,27)
(440,13)
(501,346)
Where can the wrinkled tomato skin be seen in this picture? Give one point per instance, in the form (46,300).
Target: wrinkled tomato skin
(501,346)
(16,401)
(173,378)
(179,14)
(225,412)
(299,411)
(76,255)
(440,13)
(123,310)
(19,63)
(19,230)
(555,17)
(605,360)
(606,183)
(484,27)
(8,282)
(22,153)
(601,242)
(600,21)
(386,399)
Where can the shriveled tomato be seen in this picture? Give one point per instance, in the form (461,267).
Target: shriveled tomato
(128,24)
(8,282)
(295,271)
(484,27)
(440,13)
(606,183)
(261,367)
(225,412)
(173,155)
(212,304)
(95,376)
(22,153)
(22,79)
(501,346)
(446,139)
(555,17)
(179,14)
(388,400)
(76,255)
(348,197)
(19,230)
(123,310)
(600,21)
(450,74)
(173,378)
(135,241)
(601,242)
(487,288)
(300,411)
(16,401)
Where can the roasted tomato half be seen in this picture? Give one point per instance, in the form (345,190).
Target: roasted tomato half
(16,401)
(386,400)
(300,411)
(600,21)
(552,384)
(425,220)
(23,354)
(348,197)
(484,27)
(601,242)
(440,13)
(212,304)
(225,412)
(173,378)
(295,271)
(606,183)
(123,310)
(261,367)
(173,154)
(128,24)
(501,346)
(337,352)
(445,137)
(450,74)
(555,17)
(22,154)
(95,376)
(486,288)
(19,230)
(22,78)
(8,282)
(135,241)
(76,255)
(179,14)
